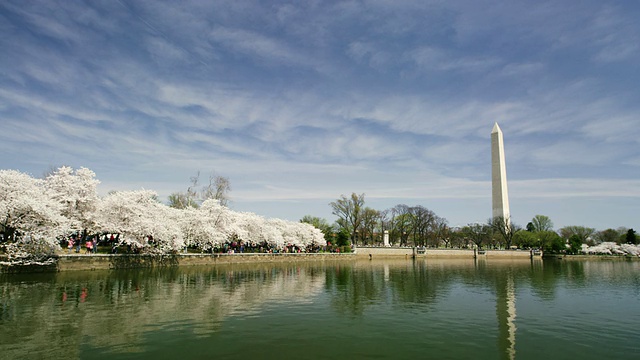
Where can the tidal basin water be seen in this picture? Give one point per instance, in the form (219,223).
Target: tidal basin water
(438,309)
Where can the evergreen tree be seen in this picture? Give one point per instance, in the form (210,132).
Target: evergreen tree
(631,237)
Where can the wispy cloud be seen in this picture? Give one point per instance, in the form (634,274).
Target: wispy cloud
(616,35)
(429,59)
(257,45)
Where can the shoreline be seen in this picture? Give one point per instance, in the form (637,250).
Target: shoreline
(593,257)
(80,262)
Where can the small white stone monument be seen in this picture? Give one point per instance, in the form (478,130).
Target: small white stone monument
(385,238)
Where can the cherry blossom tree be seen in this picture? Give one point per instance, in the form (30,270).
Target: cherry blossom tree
(143,222)
(76,192)
(611,248)
(30,219)
(272,234)
(212,225)
(205,228)
(288,233)
(310,235)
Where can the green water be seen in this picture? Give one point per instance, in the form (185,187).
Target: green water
(438,309)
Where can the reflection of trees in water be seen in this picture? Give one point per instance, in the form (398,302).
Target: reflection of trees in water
(115,310)
(577,274)
(544,279)
(425,282)
(352,288)
(355,286)
(580,273)
(419,284)
(16,322)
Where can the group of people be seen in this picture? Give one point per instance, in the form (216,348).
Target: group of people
(239,247)
(76,241)
(90,244)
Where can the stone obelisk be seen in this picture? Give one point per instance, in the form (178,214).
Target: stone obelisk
(499,176)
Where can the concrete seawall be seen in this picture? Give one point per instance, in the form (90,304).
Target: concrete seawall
(125,261)
(70,262)
(441,253)
(384,252)
(76,262)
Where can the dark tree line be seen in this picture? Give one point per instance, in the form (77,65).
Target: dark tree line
(406,225)
(420,226)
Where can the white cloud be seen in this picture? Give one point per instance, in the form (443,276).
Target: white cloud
(615,36)
(574,187)
(521,69)
(571,153)
(622,127)
(261,46)
(164,51)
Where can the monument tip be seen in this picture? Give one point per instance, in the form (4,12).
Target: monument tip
(496,128)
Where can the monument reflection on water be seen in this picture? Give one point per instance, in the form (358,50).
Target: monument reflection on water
(385,309)
(506,311)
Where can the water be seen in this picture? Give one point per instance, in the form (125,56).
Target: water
(434,309)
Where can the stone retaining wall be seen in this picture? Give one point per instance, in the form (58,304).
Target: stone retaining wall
(383,251)
(70,262)
(594,257)
(124,261)
(509,254)
(449,253)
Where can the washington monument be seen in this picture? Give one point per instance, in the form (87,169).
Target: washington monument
(499,176)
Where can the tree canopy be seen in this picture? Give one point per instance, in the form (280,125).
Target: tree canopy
(349,212)
(44,211)
(541,223)
(217,188)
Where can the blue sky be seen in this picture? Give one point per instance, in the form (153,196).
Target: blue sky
(300,102)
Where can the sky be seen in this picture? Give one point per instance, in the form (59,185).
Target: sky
(300,102)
